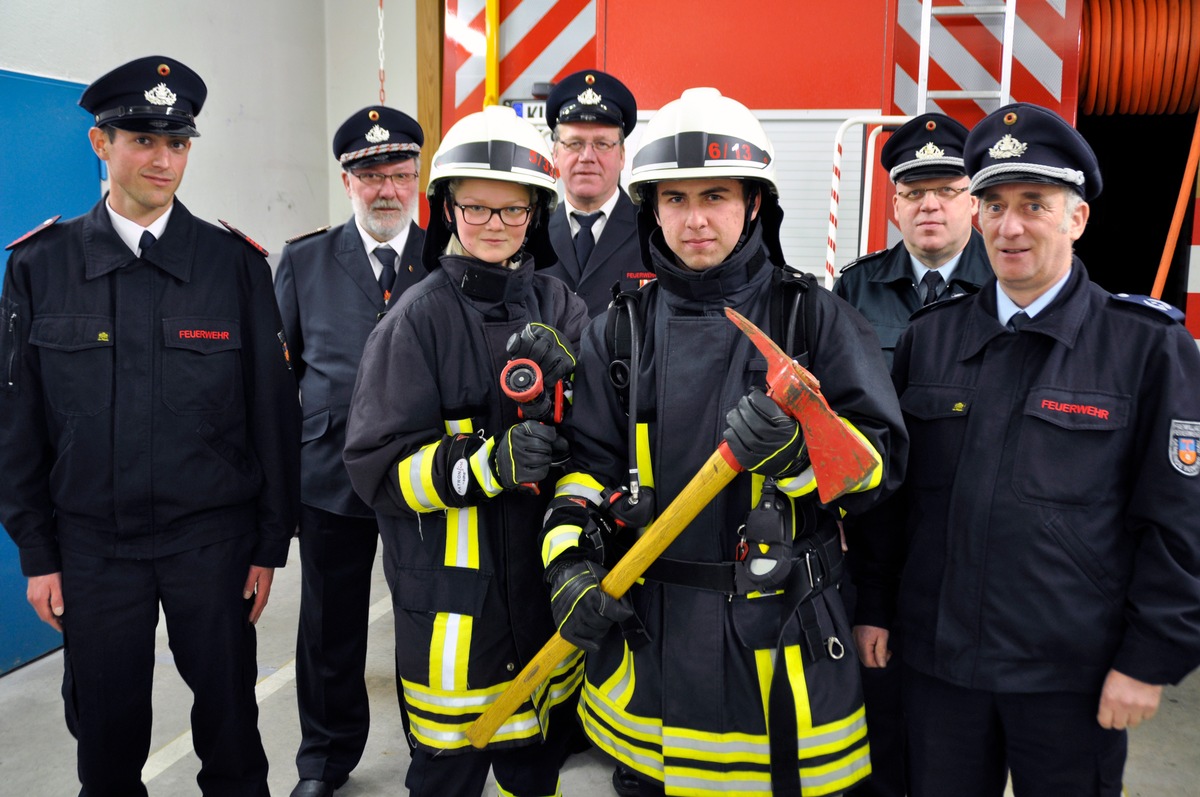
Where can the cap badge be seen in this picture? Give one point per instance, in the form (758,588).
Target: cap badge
(373,115)
(160,95)
(590,97)
(930,150)
(378,135)
(1007,147)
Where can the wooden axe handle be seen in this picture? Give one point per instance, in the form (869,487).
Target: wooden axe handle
(714,474)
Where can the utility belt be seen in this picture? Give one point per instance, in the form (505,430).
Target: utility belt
(816,563)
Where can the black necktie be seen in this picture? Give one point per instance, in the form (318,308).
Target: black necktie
(387,277)
(931,286)
(148,240)
(1017,321)
(585,242)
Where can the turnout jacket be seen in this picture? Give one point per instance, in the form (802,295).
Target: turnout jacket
(1052,494)
(688,707)
(616,259)
(462,562)
(148,404)
(881,287)
(330,301)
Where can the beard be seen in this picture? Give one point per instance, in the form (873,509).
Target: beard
(383,226)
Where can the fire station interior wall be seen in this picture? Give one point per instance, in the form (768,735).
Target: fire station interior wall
(281,74)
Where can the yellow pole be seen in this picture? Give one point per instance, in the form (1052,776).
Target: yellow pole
(491,86)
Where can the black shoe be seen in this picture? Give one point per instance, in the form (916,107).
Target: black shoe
(625,783)
(317,788)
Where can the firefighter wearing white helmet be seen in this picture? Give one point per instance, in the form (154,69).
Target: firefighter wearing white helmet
(454,469)
(745,597)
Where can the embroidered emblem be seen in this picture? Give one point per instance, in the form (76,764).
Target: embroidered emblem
(930,150)
(1007,147)
(1182,450)
(102,337)
(589,97)
(160,95)
(378,135)
(958,407)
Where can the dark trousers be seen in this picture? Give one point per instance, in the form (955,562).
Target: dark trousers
(336,557)
(965,742)
(530,771)
(112,609)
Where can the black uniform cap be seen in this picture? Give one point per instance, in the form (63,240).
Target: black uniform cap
(592,96)
(154,94)
(930,145)
(377,134)
(1023,143)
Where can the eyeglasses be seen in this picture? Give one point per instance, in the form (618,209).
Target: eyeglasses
(512,216)
(575,147)
(944,193)
(376,179)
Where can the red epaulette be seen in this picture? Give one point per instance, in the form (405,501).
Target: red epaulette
(308,234)
(244,237)
(47,223)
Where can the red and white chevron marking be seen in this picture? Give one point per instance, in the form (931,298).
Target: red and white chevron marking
(540,40)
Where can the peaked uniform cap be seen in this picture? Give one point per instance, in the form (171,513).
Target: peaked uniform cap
(1024,143)
(927,146)
(592,96)
(377,134)
(155,94)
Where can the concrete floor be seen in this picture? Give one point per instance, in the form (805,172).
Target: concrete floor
(37,755)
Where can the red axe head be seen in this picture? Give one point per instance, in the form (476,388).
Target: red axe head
(839,458)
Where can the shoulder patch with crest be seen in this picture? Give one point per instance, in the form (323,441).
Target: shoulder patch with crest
(864,259)
(244,237)
(47,223)
(1182,447)
(308,234)
(1151,303)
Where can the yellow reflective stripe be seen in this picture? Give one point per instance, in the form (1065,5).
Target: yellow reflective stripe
(872,479)
(481,467)
(460,426)
(450,650)
(837,776)
(618,688)
(799,684)
(645,466)
(579,484)
(636,742)
(462,538)
(764,663)
(559,539)
(799,485)
(415,476)
(697,782)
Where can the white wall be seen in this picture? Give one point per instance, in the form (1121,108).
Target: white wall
(281,74)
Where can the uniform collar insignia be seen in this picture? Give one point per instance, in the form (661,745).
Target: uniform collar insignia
(377,135)
(930,150)
(1007,147)
(160,95)
(589,97)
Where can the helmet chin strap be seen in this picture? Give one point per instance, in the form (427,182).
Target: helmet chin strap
(751,191)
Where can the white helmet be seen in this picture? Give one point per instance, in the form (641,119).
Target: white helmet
(702,134)
(496,144)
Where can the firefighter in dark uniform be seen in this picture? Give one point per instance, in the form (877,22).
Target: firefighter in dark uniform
(332,287)
(684,705)
(453,470)
(940,254)
(1052,578)
(150,443)
(594,230)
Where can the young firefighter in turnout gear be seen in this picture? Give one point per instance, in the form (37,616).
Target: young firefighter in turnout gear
(685,704)
(454,473)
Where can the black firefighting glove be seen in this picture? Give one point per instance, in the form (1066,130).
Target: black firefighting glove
(583,612)
(765,439)
(620,506)
(547,347)
(524,453)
